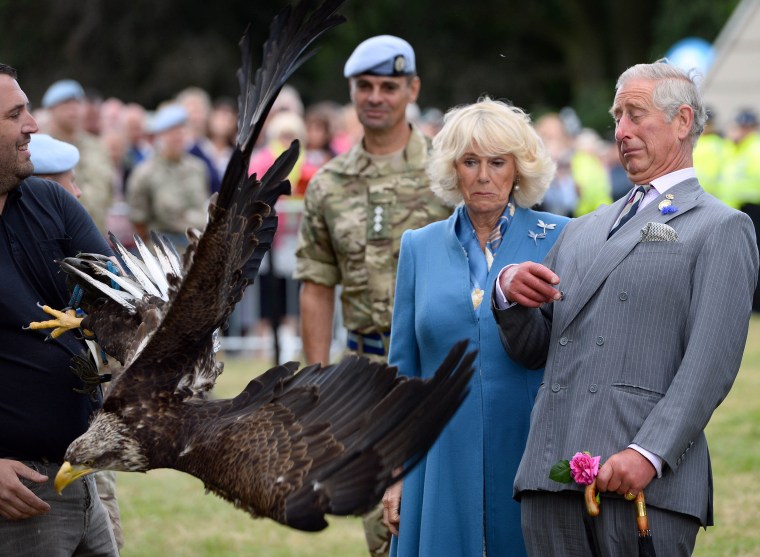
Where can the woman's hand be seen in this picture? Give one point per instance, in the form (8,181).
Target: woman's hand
(392,508)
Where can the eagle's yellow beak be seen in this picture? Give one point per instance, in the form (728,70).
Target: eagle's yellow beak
(68,474)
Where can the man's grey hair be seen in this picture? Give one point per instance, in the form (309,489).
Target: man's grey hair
(673,88)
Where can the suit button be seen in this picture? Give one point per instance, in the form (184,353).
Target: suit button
(563,341)
(593,388)
(599,341)
(556,387)
(623,296)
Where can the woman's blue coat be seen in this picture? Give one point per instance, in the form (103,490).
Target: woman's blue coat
(471,467)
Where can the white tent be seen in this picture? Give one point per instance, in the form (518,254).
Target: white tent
(733,81)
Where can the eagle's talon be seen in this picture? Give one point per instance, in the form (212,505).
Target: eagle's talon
(64,321)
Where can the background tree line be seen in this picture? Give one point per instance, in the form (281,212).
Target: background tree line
(540,54)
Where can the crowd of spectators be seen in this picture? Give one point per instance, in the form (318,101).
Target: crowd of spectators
(117,138)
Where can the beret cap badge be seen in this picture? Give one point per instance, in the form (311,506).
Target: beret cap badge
(399,64)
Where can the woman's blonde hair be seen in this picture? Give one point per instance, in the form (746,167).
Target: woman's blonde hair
(490,128)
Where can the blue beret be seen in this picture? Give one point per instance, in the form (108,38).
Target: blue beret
(61,91)
(381,55)
(746,118)
(50,156)
(169,117)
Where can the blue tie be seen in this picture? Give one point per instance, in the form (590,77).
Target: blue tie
(630,209)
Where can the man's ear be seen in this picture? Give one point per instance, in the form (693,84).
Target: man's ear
(685,117)
(414,89)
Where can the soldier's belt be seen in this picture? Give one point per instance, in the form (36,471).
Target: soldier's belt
(373,343)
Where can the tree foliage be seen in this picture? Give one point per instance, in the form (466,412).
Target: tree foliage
(541,55)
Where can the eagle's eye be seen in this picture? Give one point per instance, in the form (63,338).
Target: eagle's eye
(89,463)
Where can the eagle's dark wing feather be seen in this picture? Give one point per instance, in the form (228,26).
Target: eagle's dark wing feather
(326,440)
(292,31)
(277,174)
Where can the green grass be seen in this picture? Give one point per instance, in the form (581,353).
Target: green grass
(734,438)
(167,513)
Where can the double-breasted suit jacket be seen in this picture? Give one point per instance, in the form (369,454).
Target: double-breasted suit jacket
(645,344)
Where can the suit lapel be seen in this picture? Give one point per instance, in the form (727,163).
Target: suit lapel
(603,257)
(595,235)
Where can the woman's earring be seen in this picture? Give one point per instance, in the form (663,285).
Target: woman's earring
(516,184)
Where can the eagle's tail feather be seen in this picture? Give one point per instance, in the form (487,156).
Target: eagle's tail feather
(167,254)
(153,266)
(119,296)
(135,266)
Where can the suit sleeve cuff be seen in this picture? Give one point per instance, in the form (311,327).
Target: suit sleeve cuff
(501,299)
(651,457)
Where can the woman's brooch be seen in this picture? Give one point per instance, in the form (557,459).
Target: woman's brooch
(535,236)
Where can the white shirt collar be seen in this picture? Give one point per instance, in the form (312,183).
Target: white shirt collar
(664,183)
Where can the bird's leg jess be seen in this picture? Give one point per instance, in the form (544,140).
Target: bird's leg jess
(64,321)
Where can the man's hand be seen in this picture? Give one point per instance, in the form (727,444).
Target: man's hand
(17,501)
(391,508)
(625,471)
(529,284)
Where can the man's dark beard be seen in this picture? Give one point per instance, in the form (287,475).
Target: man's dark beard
(10,178)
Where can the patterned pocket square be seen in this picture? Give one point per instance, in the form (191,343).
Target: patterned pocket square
(658,232)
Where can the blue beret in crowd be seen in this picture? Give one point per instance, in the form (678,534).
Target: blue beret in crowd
(746,118)
(50,156)
(167,118)
(62,91)
(381,55)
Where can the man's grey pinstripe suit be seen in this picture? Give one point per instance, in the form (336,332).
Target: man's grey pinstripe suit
(645,345)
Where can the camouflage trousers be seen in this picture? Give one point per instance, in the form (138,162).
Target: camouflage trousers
(377,533)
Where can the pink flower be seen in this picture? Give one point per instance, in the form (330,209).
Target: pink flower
(584,468)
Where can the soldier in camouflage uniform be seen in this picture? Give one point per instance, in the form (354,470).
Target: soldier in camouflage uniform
(63,101)
(356,208)
(169,192)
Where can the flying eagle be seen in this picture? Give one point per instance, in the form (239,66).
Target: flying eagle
(291,446)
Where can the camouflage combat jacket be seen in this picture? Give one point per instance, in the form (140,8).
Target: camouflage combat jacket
(169,196)
(356,208)
(94,176)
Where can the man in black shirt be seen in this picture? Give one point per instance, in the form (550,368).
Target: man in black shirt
(40,411)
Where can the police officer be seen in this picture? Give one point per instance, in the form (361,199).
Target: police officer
(710,155)
(741,176)
(168,193)
(355,210)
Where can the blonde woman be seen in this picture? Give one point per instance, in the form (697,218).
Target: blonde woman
(490,164)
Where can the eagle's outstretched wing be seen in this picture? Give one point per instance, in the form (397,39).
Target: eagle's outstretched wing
(325,440)
(164,310)
(289,447)
(218,266)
